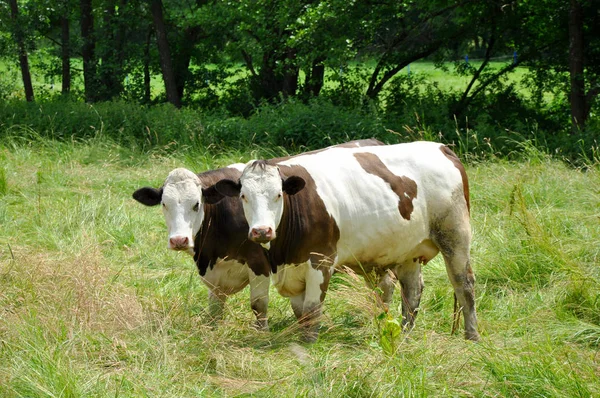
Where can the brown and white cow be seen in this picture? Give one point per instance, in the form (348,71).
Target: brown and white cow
(215,232)
(371,209)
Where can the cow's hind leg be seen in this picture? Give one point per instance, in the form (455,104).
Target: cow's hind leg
(385,286)
(454,240)
(411,283)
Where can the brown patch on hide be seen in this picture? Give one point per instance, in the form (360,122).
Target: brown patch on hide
(403,187)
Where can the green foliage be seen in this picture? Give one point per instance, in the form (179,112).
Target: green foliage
(390,329)
(415,107)
(3,182)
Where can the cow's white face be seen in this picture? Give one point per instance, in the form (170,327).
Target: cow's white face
(183,209)
(261,189)
(182,205)
(262,198)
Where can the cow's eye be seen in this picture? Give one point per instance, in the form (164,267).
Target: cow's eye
(164,205)
(196,206)
(243,196)
(279,195)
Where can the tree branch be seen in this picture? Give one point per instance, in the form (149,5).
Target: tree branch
(488,54)
(249,64)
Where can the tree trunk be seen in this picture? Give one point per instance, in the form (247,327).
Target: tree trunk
(273,80)
(88,51)
(182,59)
(576,48)
(315,78)
(65,55)
(23,60)
(147,92)
(166,63)
(110,71)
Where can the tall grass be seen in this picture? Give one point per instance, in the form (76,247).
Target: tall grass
(93,304)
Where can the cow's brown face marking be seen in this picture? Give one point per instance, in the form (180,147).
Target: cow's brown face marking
(454,159)
(310,231)
(224,232)
(404,187)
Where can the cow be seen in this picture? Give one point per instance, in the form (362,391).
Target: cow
(215,234)
(213,229)
(392,207)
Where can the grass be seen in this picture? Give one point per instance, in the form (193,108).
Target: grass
(93,304)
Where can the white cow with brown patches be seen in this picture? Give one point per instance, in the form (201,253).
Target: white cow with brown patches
(371,209)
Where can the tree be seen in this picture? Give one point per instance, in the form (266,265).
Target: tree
(165,54)
(88,51)
(23,59)
(111,48)
(65,24)
(579,112)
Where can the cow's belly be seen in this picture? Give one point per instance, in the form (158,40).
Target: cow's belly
(226,276)
(290,279)
(384,241)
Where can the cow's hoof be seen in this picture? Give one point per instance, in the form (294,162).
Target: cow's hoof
(261,326)
(473,336)
(310,337)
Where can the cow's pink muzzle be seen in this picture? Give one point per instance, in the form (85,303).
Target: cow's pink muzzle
(261,234)
(179,243)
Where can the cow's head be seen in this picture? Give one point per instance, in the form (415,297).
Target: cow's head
(182,198)
(261,188)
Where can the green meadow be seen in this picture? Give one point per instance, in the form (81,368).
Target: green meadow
(92,304)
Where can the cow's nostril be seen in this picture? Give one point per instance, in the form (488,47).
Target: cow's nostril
(179,242)
(261,234)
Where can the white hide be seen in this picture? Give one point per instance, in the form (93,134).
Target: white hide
(226,277)
(182,206)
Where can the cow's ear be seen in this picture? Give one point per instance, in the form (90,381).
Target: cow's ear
(211,195)
(229,187)
(293,184)
(148,196)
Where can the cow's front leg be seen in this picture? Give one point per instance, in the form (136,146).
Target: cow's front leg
(297,303)
(317,282)
(259,299)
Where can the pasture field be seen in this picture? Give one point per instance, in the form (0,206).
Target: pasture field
(93,305)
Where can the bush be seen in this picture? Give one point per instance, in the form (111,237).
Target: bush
(493,125)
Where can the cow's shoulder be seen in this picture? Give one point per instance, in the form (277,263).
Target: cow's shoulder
(310,230)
